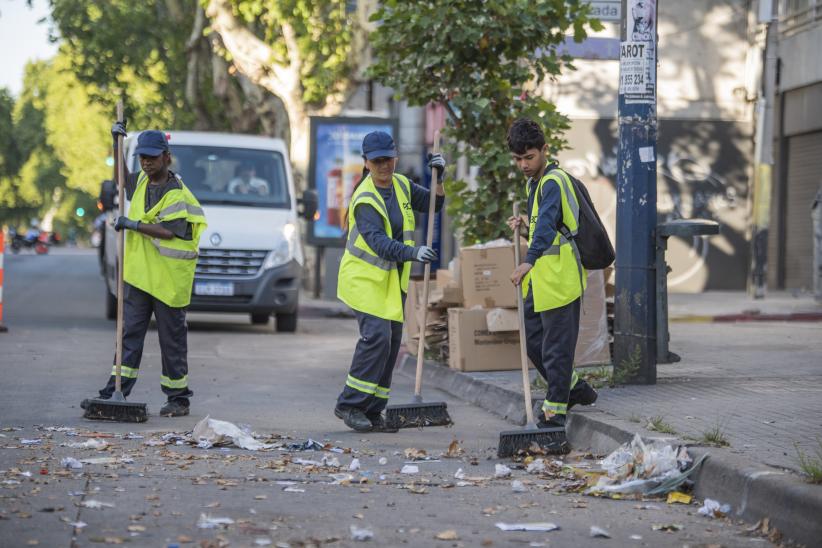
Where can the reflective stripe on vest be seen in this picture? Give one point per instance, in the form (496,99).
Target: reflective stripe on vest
(360,253)
(180,206)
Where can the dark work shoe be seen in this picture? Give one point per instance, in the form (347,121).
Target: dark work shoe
(174,408)
(354,419)
(555,421)
(379,424)
(582,394)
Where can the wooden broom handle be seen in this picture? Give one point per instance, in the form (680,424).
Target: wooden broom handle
(121,193)
(523,352)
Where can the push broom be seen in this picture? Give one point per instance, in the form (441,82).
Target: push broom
(514,441)
(419,413)
(117,408)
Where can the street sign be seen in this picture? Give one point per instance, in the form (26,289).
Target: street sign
(607,10)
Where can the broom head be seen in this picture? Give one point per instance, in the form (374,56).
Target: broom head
(418,415)
(551,441)
(115,409)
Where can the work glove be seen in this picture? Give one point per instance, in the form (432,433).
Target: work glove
(125,222)
(118,128)
(424,254)
(436,161)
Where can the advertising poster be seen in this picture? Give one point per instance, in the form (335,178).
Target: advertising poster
(335,167)
(637,58)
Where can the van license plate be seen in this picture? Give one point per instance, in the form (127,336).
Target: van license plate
(214,289)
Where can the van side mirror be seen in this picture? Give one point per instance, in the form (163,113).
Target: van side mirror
(307,205)
(108,195)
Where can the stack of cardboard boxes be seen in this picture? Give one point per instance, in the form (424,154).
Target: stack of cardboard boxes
(477,302)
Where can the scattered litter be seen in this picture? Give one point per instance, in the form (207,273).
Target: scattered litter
(360,534)
(454,450)
(210,432)
(307,462)
(108,460)
(410,469)
(132,436)
(96,504)
(292,489)
(449,534)
(341,479)
(355,465)
(679,497)
(78,524)
(154,442)
(669,527)
(262,541)
(636,537)
(542,527)
(518,487)
(383,461)
(93,443)
(333,462)
(307,445)
(31,442)
(70,462)
(459,474)
(713,509)
(652,469)
(599,532)
(536,467)
(208,522)
(502,471)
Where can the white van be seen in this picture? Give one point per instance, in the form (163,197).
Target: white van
(251,256)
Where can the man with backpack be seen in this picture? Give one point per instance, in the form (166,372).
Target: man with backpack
(552,275)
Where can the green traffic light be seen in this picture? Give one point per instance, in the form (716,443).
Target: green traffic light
(80,211)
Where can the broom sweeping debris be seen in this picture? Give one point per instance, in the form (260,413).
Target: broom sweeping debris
(418,413)
(117,408)
(549,440)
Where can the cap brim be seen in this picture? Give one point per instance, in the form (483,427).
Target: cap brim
(148,151)
(387,153)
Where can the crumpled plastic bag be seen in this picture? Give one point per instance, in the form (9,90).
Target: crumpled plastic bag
(210,432)
(652,469)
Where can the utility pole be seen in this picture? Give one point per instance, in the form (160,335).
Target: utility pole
(763,156)
(635,301)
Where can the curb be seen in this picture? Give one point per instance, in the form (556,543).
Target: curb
(753,491)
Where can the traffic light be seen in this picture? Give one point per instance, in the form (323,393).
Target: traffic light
(80,211)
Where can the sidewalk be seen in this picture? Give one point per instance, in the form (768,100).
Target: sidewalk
(759,383)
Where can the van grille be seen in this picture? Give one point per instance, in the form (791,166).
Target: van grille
(230,262)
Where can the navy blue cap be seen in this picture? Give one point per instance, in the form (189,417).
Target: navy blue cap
(151,143)
(378,144)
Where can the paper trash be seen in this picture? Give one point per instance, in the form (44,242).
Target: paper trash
(713,509)
(360,534)
(208,522)
(210,432)
(538,527)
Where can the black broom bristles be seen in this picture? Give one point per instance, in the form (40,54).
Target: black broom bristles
(551,441)
(112,410)
(418,415)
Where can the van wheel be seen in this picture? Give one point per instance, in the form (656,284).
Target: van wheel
(260,319)
(111,305)
(287,323)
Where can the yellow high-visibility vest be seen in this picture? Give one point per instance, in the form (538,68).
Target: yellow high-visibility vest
(367,282)
(558,277)
(163,268)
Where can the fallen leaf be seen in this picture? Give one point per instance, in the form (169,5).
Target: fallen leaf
(668,527)
(183,539)
(260,497)
(450,534)
(454,450)
(136,528)
(412,453)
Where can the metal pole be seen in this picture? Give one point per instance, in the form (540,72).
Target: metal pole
(635,315)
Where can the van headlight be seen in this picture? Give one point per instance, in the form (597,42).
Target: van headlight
(287,248)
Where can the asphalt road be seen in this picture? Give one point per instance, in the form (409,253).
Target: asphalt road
(283,386)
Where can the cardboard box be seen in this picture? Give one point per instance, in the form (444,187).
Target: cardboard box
(486,276)
(502,319)
(445,297)
(472,347)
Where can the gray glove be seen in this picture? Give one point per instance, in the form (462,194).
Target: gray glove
(436,161)
(119,128)
(424,254)
(125,222)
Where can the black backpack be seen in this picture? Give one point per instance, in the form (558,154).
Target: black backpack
(595,249)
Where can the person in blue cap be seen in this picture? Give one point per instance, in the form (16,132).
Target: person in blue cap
(163,225)
(374,274)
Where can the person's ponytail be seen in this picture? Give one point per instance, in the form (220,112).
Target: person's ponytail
(344,218)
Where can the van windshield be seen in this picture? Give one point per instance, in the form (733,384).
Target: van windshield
(232,176)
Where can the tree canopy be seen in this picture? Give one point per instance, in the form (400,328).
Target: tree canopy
(486,62)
